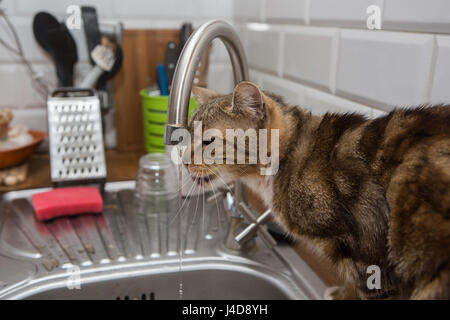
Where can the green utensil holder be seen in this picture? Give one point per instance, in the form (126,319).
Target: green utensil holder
(154,114)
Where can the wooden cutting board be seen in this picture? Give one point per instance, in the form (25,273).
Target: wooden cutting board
(142,51)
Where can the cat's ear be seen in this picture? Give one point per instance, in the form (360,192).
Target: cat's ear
(202,94)
(248,98)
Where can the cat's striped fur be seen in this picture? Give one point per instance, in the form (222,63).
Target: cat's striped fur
(364,192)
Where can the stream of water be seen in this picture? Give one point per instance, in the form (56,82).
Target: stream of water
(180,242)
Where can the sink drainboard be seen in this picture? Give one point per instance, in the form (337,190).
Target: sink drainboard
(126,257)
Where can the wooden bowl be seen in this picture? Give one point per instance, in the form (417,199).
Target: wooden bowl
(11,157)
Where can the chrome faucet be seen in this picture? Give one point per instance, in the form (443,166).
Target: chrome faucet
(180,93)
(240,235)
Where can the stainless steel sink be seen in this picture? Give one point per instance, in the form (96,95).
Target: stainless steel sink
(118,255)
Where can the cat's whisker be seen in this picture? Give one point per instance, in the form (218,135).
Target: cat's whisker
(217,174)
(203,216)
(217,206)
(184,202)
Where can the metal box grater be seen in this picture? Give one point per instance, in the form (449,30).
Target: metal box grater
(76,136)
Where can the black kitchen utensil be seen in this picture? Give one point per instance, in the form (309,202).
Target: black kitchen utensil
(94,38)
(171,61)
(55,38)
(91,29)
(185,33)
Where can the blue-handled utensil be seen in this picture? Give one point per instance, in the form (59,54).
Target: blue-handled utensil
(161,78)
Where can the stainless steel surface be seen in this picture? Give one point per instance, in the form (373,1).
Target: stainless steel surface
(122,255)
(180,93)
(256,226)
(237,225)
(76,137)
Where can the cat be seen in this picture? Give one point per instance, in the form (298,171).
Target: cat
(362,191)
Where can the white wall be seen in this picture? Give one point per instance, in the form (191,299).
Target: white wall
(316,53)
(321,55)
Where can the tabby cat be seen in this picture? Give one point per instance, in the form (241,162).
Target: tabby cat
(363,192)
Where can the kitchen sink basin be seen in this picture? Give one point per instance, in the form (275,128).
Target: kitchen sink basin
(120,255)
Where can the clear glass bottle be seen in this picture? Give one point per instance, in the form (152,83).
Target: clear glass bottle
(156,190)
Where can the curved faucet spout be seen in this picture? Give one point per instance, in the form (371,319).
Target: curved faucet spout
(180,92)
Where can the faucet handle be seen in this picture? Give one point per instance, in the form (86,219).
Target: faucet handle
(227,196)
(256,225)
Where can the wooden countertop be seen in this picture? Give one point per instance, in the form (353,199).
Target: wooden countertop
(120,166)
(123,166)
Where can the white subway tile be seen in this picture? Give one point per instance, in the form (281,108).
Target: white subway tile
(440,91)
(263,50)
(220,77)
(417,15)
(59,8)
(213,9)
(255,77)
(17,89)
(290,91)
(248,10)
(8,7)
(384,69)
(348,13)
(181,9)
(218,52)
(310,56)
(319,102)
(32,118)
(293,11)
(32,51)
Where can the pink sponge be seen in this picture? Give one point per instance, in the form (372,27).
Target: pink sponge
(66,201)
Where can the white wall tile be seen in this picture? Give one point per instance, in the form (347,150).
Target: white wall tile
(263,50)
(319,103)
(310,56)
(292,11)
(213,9)
(17,86)
(8,6)
(440,91)
(290,91)
(32,51)
(220,77)
(417,15)
(32,118)
(218,52)
(383,68)
(170,9)
(248,10)
(59,8)
(255,77)
(348,13)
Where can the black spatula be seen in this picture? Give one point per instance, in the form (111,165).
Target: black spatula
(55,38)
